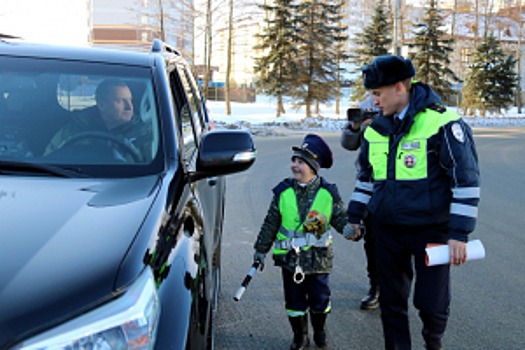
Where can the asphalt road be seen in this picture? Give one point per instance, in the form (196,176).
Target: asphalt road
(488,296)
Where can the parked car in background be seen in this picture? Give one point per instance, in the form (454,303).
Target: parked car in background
(110,237)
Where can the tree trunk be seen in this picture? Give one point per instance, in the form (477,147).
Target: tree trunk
(454,12)
(207,48)
(161,21)
(308,110)
(476,9)
(520,33)
(229,60)
(280,106)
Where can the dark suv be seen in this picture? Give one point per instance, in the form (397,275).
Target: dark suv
(110,229)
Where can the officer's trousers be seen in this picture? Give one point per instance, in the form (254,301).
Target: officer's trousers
(400,251)
(313,293)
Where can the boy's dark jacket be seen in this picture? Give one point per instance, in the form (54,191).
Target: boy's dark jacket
(315,259)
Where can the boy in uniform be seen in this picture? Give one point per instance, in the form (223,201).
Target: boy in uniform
(297,225)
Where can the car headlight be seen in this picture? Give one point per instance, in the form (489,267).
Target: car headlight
(129,322)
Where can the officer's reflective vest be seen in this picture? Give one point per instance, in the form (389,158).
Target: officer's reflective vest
(292,227)
(411,162)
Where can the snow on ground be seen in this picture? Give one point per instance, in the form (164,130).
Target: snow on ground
(260,117)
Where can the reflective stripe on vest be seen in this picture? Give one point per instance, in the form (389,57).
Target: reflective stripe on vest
(290,220)
(411,157)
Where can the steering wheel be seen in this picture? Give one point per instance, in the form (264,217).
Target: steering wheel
(128,147)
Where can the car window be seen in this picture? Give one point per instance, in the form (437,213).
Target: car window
(86,115)
(196,96)
(185,122)
(193,100)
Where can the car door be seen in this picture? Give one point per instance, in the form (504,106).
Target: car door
(189,256)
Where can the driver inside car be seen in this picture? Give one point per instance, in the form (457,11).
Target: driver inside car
(112,121)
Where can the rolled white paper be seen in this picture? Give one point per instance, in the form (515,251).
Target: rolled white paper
(439,255)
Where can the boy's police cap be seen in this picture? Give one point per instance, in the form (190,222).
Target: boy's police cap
(387,70)
(315,152)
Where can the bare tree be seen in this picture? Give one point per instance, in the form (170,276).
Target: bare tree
(454,13)
(341,56)
(488,15)
(229,59)
(476,13)
(207,46)
(519,18)
(172,21)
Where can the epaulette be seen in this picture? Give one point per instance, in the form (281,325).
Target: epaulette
(332,188)
(281,186)
(438,107)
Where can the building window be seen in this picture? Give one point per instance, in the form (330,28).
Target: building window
(465,56)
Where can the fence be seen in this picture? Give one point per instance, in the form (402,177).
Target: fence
(242,94)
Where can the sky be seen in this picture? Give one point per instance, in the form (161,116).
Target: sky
(44,21)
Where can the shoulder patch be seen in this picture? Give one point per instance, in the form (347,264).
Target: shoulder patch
(458,133)
(438,108)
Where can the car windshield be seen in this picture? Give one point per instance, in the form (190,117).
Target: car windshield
(87,118)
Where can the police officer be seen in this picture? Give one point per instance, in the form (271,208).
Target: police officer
(297,225)
(351,136)
(418,175)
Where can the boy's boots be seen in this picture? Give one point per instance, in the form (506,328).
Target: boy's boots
(318,324)
(300,332)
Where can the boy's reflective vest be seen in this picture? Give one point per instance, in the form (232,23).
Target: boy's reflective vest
(291,230)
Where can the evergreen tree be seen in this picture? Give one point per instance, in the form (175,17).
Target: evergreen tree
(432,50)
(375,40)
(276,68)
(491,79)
(318,56)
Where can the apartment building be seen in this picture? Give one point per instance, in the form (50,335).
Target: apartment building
(108,23)
(135,23)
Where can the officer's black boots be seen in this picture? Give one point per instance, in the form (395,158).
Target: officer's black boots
(371,301)
(432,341)
(433,346)
(300,332)
(318,324)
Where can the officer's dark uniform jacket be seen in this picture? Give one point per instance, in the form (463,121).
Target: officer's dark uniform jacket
(314,258)
(423,172)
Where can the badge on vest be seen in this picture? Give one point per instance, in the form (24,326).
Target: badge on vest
(410,160)
(457,131)
(410,145)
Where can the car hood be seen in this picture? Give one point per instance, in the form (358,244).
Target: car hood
(61,245)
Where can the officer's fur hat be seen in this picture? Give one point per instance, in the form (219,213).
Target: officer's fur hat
(315,152)
(387,70)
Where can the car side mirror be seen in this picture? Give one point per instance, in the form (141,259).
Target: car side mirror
(224,152)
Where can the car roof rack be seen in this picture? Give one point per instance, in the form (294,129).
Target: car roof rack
(160,46)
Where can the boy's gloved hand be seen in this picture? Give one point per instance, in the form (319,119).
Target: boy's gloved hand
(259,257)
(315,223)
(353,232)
